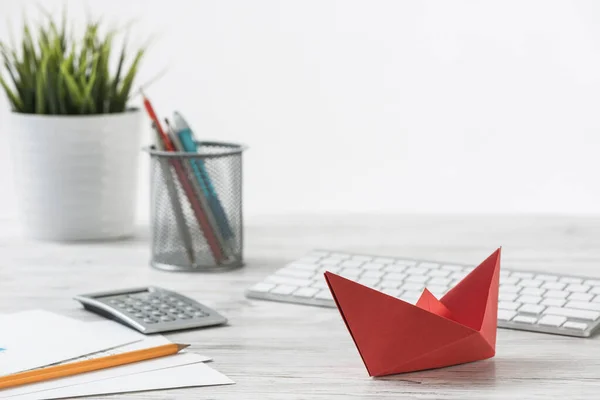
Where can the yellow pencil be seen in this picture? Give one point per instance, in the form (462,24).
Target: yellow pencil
(80,367)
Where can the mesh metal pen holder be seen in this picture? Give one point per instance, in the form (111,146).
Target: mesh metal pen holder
(196,208)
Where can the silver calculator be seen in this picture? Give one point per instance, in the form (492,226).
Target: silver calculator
(151,309)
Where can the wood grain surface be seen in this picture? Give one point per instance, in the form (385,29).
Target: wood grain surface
(283,351)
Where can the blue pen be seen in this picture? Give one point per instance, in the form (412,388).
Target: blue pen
(188,142)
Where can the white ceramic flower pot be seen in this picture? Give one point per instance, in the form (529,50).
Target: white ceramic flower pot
(76,176)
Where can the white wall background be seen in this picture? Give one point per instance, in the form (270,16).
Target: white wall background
(378,106)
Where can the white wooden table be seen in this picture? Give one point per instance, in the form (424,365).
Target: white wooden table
(283,351)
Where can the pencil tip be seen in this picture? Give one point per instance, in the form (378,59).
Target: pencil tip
(182,346)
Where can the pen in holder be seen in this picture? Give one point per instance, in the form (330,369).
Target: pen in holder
(196,208)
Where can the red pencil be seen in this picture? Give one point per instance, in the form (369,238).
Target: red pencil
(199,213)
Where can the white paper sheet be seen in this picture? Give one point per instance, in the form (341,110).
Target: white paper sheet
(106,374)
(33,339)
(191,375)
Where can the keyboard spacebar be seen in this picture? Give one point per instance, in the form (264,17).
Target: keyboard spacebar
(573,313)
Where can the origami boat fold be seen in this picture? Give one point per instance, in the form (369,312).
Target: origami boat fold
(393,336)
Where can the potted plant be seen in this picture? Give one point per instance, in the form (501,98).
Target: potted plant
(74,137)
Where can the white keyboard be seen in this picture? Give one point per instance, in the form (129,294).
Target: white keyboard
(530,301)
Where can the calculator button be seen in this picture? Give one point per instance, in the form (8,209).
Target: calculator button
(190,308)
(138,315)
(166,318)
(183,316)
(180,303)
(148,308)
(199,314)
(157,313)
(155,301)
(164,306)
(131,310)
(150,320)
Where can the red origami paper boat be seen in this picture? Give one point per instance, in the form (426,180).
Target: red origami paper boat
(393,336)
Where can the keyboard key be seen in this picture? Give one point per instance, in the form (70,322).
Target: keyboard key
(320,284)
(581,297)
(567,279)
(330,261)
(437,290)
(504,274)
(552,320)
(554,302)
(394,268)
(529,299)
(554,285)
(330,268)
(387,284)
(284,280)
(596,299)
(509,289)
(413,287)
(306,292)
(531,308)
(392,292)
(592,282)
(573,313)
(351,264)
(452,267)
(524,319)
(351,271)
(406,263)
(394,276)
(595,290)
(304,266)
(384,260)
(416,271)
(295,273)
(284,289)
(438,273)
(547,278)
(429,265)
(373,266)
(506,315)
(577,288)
(580,326)
(583,305)
(416,278)
(532,291)
(561,294)
(352,275)
(522,275)
(362,258)
(507,296)
(459,275)
(509,280)
(324,295)
(372,274)
(440,281)
(370,282)
(531,283)
(410,296)
(506,305)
